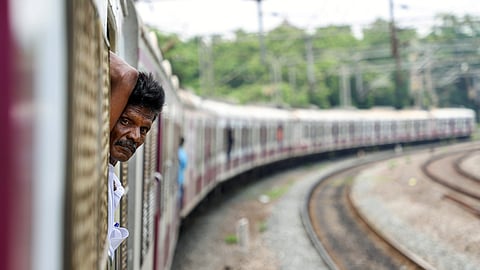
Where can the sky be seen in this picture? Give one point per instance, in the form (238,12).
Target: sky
(207,17)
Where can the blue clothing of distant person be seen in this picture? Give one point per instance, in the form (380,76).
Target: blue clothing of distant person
(182,164)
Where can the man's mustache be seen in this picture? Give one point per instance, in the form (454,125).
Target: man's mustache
(127,143)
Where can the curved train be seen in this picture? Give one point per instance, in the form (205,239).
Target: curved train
(55,113)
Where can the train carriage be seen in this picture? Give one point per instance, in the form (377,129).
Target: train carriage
(455,122)
(193,132)
(56,106)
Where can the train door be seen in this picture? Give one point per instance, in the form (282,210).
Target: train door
(320,140)
(279,137)
(244,143)
(229,142)
(351,140)
(85,246)
(335,132)
(263,140)
(208,152)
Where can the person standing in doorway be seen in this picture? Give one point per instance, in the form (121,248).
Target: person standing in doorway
(182,164)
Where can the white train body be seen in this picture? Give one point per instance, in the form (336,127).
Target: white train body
(55,103)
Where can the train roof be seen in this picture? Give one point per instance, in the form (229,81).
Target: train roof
(244,111)
(236,111)
(229,110)
(327,115)
(453,112)
(408,114)
(359,115)
(189,99)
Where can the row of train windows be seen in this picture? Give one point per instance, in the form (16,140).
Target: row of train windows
(235,137)
(247,136)
(318,130)
(244,137)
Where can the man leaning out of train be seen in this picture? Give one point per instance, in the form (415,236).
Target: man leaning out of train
(135,102)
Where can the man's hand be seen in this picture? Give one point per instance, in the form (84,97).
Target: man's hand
(123,78)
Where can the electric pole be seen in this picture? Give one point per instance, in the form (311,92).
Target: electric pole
(398,64)
(260,31)
(310,66)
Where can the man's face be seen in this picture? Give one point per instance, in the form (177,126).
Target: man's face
(129,132)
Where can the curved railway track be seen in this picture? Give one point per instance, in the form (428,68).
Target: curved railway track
(346,240)
(461,186)
(461,170)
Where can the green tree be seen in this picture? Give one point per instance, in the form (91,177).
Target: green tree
(304,68)
(183,56)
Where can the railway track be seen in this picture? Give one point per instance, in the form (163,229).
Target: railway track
(347,240)
(461,186)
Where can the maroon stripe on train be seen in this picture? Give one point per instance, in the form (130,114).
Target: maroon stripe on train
(9,186)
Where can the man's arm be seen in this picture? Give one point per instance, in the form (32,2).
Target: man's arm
(123,78)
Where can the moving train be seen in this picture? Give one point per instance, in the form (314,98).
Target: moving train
(54,139)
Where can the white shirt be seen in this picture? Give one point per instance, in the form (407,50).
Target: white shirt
(115,233)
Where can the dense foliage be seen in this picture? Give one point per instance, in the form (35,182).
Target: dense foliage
(334,67)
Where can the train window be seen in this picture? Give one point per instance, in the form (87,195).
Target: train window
(229,140)
(270,134)
(335,130)
(305,131)
(407,126)
(219,142)
(377,129)
(244,136)
(254,133)
(279,134)
(287,132)
(313,131)
(199,142)
(344,130)
(320,130)
(451,124)
(416,126)
(263,135)
(208,141)
(351,129)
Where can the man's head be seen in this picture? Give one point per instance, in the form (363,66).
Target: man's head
(181,142)
(144,105)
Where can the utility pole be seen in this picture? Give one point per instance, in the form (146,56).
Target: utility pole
(310,65)
(205,59)
(276,69)
(345,92)
(292,77)
(428,79)
(398,64)
(260,31)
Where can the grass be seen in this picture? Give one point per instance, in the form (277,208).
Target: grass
(476,133)
(392,164)
(277,192)
(262,227)
(231,239)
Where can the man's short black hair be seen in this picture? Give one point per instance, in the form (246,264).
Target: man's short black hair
(182,140)
(147,93)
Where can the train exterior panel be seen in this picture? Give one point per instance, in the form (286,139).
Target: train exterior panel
(56,139)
